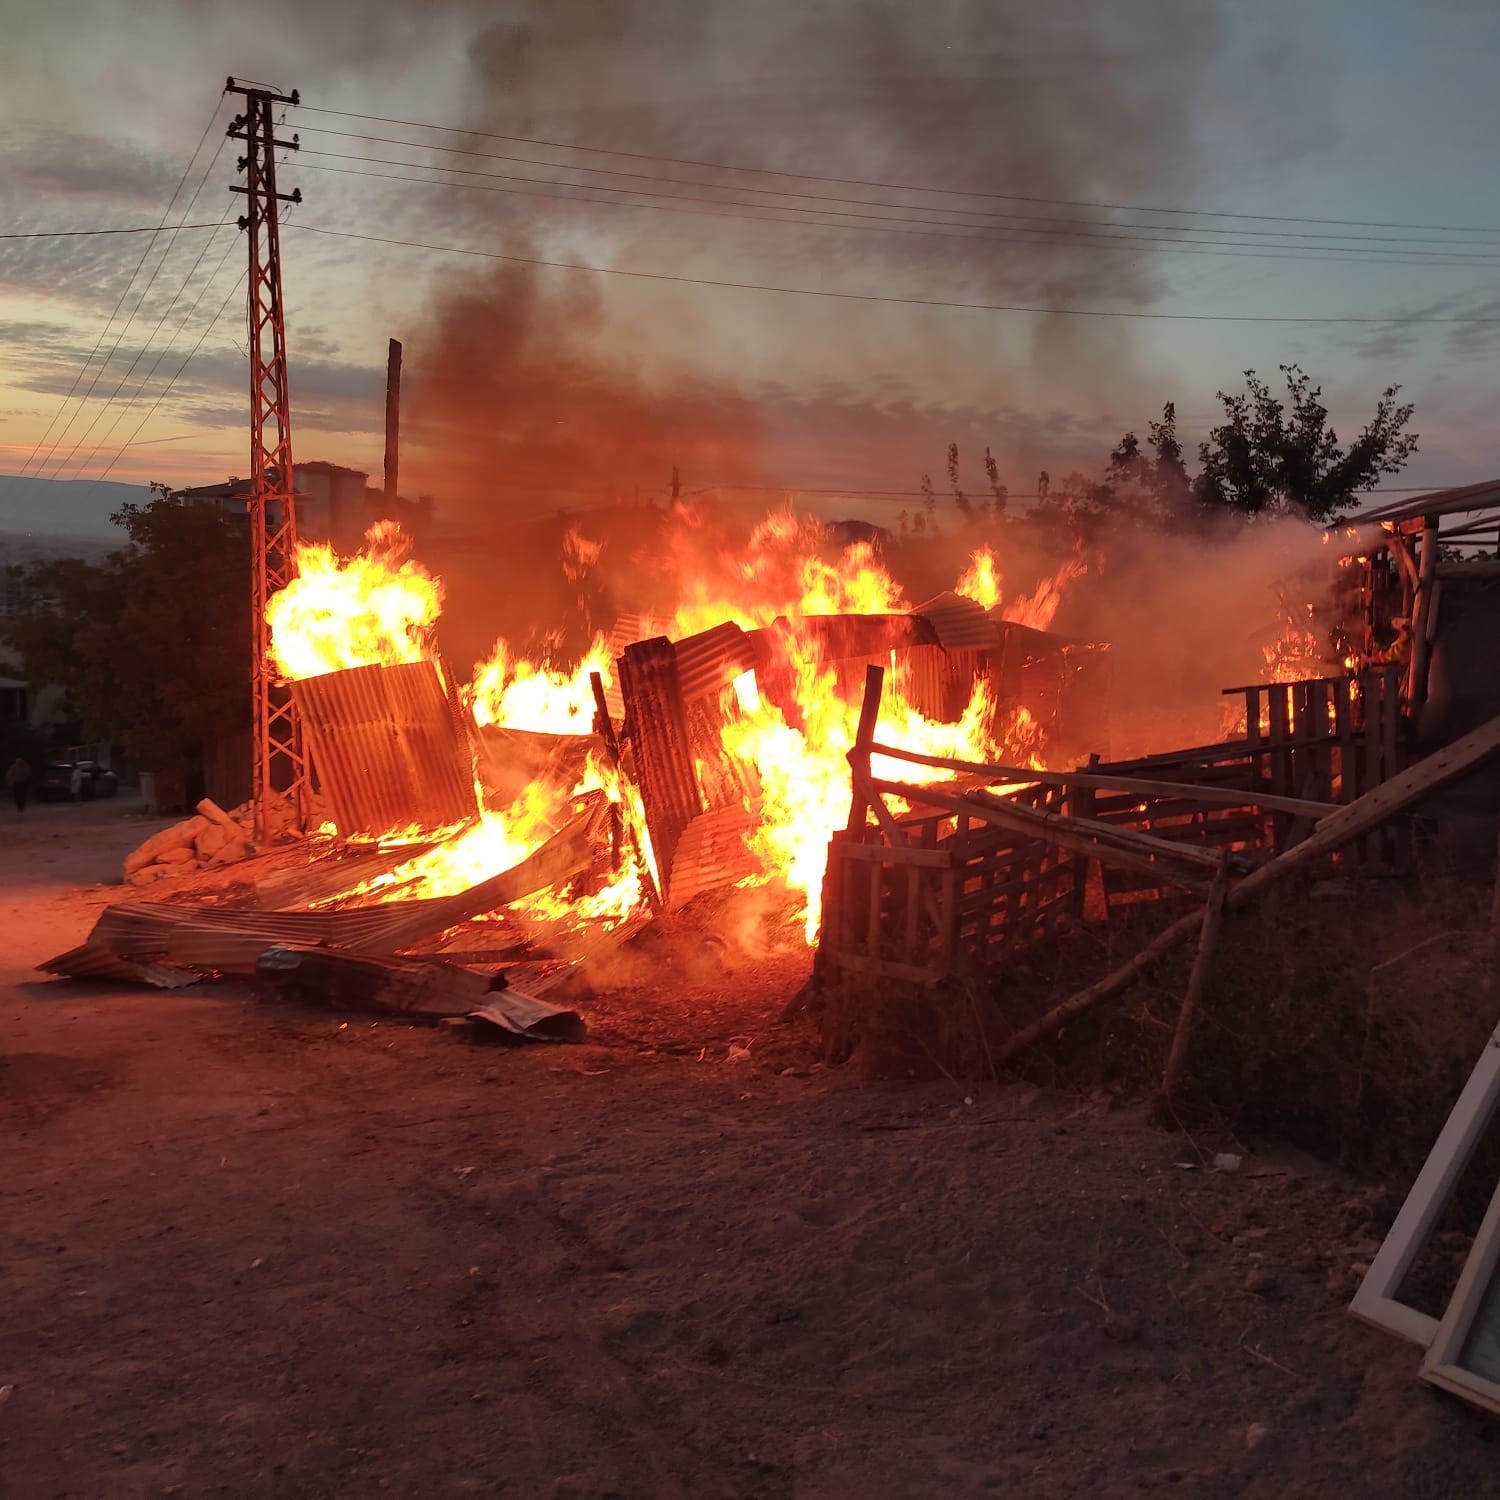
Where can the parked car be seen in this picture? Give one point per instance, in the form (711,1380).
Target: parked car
(97,781)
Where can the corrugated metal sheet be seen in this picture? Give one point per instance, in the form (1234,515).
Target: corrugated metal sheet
(833,638)
(712,854)
(660,746)
(710,661)
(960,624)
(387,747)
(94,961)
(628,629)
(231,941)
(509,760)
(938,683)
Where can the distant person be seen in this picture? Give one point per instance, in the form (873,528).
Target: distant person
(18,779)
(75,783)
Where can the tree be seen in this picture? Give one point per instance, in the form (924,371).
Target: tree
(960,499)
(152,646)
(999,494)
(1151,487)
(1265,458)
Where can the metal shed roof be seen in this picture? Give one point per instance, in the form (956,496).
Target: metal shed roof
(1469,497)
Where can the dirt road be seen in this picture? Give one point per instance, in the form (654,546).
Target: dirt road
(257,1251)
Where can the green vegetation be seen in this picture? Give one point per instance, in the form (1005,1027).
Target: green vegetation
(151,645)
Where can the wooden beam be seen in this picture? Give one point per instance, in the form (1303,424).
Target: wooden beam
(1416,681)
(1171,863)
(1208,796)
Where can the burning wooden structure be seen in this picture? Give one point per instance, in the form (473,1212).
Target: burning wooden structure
(676,697)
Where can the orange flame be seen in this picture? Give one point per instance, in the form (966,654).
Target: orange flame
(514,693)
(375,607)
(379,606)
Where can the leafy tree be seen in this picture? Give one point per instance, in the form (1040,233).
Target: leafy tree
(1265,457)
(1148,484)
(152,646)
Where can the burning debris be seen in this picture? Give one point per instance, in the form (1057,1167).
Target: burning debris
(707,734)
(558,799)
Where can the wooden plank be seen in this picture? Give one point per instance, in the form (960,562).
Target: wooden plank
(1280,733)
(948,930)
(1253,736)
(926,859)
(1343,711)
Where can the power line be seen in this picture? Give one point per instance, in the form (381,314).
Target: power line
(62,234)
(979,233)
(125,292)
(140,301)
(681,161)
(1067,225)
(164,351)
(797,291)
(176,376)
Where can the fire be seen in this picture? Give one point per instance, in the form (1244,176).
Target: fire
(1039,608)
(981,581)
(514,693)
(802,767)
(779,573)
(376,607)
(791,740)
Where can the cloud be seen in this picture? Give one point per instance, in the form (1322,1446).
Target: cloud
(96,169)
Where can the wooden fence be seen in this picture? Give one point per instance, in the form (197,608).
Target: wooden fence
(956,878)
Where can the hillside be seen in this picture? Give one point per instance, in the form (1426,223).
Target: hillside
(69,507)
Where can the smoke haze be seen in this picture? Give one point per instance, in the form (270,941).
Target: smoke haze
(546,384)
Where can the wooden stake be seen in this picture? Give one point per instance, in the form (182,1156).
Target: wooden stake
(864,738)
(1208,938)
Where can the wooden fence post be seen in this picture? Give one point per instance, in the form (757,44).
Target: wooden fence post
(859,753)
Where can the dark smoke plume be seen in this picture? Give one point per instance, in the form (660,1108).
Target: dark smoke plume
(533,388)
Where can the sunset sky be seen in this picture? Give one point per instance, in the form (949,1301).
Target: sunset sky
(530,388)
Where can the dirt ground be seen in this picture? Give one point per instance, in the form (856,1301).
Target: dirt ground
(255,1250)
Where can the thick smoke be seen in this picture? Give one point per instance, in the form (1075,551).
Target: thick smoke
(532,388)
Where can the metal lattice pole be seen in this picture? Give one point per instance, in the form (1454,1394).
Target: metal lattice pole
(279,762)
